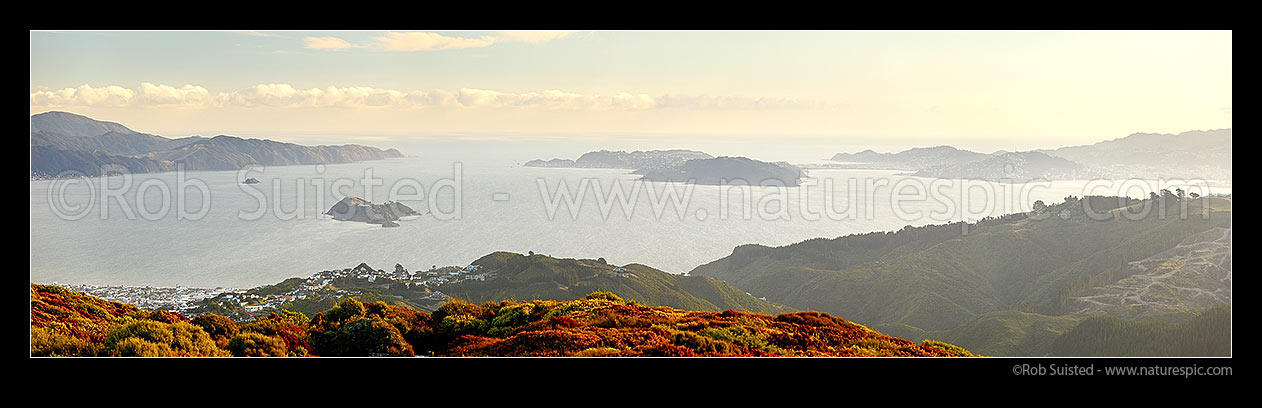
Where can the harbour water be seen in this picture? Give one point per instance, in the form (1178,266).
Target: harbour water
(150,229)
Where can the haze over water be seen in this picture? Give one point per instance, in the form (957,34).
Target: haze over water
(501,209)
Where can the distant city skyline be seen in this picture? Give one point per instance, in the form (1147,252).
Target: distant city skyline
(919,87)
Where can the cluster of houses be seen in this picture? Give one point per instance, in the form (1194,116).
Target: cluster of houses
(177,299)
(621,272)
(437,277)
(431,278)
(247,305)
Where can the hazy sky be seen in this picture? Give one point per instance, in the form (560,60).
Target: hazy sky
(957,87)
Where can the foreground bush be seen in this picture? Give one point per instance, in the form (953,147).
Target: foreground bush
(601,324)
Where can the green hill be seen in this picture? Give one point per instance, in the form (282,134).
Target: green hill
(529,277)
(1207,333)
(936,279)
(1005,333)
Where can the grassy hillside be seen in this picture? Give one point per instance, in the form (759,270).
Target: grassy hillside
(1005,333)
(529,277)
(935,279)
(66,323)
(1207,333)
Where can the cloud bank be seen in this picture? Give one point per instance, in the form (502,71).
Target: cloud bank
(287,96)
(327,43)
(429,41)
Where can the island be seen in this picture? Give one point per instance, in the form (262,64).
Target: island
(360,210)
(728,171)
(606,159)
(688,166)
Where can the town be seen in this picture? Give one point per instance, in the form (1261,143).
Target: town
(176,299)
(249,304)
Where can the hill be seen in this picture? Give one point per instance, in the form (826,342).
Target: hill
(69,124)
(598,324)
(606,159)
(1203,333)
(728,170)
(523,277)
(1194,275)
(1193,154)
(935,279)
(498,276)
(1020,167)
(62,141)
(910,159)
(50,162)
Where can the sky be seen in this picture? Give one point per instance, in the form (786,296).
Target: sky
(982,89)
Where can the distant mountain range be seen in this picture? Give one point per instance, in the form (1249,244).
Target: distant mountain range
(1188,155)
(62,141)
(1193,154)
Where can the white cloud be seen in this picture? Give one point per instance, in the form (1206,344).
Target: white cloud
(151,94)
(533,37)
(730,102)
(429,41)
(423,41)
(86,95)
(327,43)
(287,96)
(264,34)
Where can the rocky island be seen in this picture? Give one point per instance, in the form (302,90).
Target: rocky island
(360,210)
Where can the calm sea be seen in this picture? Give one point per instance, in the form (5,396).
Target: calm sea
(140,237)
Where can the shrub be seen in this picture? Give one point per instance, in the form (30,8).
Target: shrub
(370,337)
(599,352)
(950,348)
(462,324)
(457,307)
(603,295)
(157,338)
(347,309)
(251,344)
(699,343)
(510,318)
(51,343)
(741,336)
(138,347)
(166,317)
(220,328)
(609,320)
